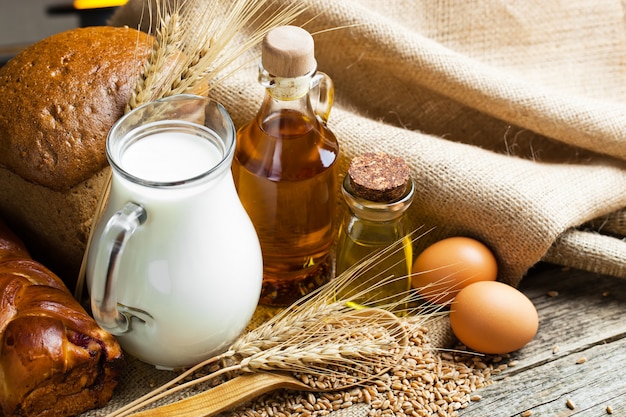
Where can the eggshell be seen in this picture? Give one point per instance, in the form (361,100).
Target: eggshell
(492,317)
(449,265)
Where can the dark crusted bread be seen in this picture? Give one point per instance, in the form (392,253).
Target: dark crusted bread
(58,100)
(54,358)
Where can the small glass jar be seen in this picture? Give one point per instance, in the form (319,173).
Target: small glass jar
(374,239)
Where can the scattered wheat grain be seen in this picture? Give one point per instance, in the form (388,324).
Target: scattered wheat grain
(570,404)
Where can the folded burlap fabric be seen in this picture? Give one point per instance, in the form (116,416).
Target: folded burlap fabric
(512,116)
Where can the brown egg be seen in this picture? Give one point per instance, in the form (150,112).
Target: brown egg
(492,317)
(449,265)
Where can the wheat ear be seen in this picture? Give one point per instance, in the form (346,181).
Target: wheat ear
(349,346)
(194,46)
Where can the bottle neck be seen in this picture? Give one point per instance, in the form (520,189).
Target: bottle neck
(282,93)
(377,211)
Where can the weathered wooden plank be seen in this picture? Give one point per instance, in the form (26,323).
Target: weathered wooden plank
(544,389)
(586,320)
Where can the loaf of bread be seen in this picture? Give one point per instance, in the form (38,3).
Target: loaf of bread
(54,359)
(58,100)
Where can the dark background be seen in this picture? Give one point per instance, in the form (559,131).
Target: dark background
(23,22)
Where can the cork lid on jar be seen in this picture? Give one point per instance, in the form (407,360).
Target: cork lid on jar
(377,176)
(288,51)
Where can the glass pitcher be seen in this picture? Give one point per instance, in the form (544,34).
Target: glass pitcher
(174,269)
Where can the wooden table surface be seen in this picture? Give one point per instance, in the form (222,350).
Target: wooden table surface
(579,354)
(576,365)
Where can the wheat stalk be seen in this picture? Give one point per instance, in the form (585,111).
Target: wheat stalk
(165,50)
(352,347)
(323,303)
(318,337)
(193,44)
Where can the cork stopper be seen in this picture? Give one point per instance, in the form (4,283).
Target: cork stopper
(288,51)
(378,176)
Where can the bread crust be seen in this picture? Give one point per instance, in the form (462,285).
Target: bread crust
(59,98)
(55,225)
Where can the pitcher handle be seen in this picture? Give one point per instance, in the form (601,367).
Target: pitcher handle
(116,233)
(322,95)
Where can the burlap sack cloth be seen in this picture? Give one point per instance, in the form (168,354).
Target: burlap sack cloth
(511,114)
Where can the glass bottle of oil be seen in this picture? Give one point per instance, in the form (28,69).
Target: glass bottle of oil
(285,168)
(374,238)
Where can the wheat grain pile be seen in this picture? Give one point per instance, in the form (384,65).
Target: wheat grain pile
(426,381)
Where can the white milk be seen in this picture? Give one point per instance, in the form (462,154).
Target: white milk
(170,156)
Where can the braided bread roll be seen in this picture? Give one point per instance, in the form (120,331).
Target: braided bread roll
(54,359)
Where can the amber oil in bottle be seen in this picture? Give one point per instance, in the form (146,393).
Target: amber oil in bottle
(285,169)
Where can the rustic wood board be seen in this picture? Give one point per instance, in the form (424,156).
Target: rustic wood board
(582,318)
